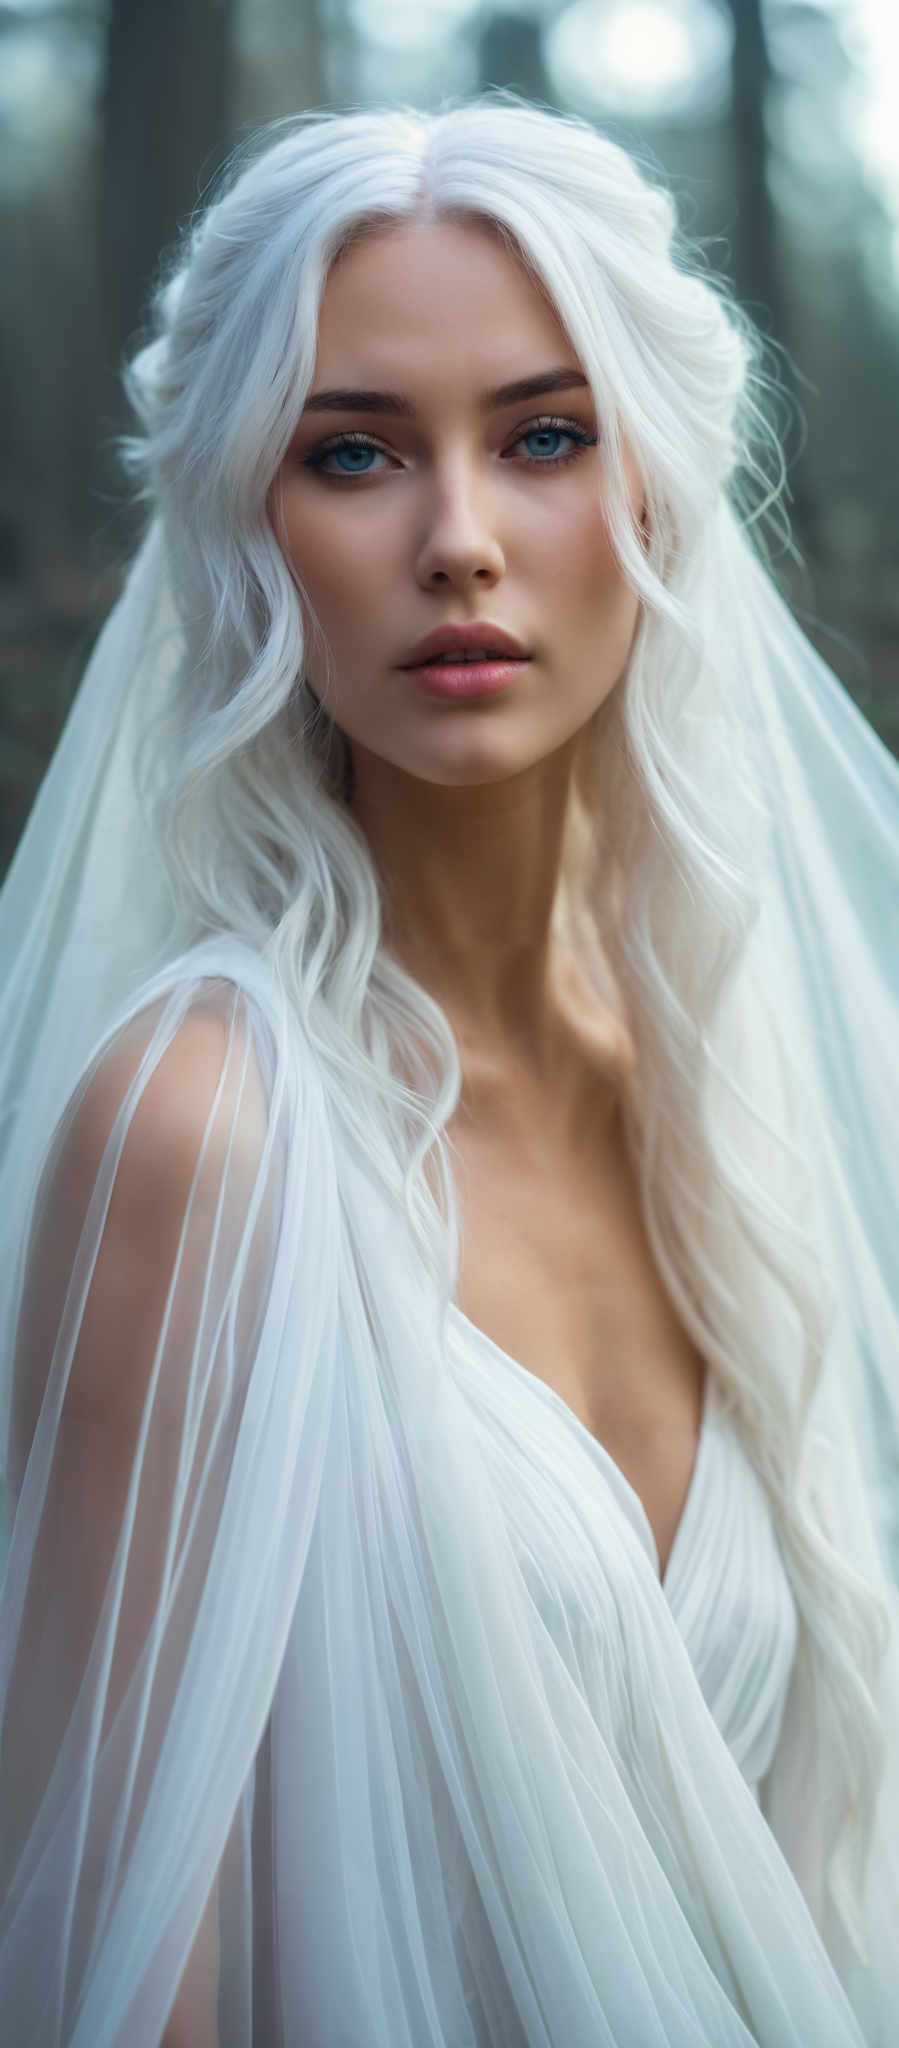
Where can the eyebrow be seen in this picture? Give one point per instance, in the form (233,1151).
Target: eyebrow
(563,379)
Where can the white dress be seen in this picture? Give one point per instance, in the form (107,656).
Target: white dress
(724,1580)
(347,1615)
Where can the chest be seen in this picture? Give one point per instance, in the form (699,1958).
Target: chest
(557,1269)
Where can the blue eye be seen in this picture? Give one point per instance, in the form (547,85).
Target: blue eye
(549,429)
(349,444)
(548,433)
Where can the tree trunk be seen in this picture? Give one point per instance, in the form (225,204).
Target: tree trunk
(165,122)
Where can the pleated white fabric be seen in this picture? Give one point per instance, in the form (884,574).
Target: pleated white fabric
(724,1581)
(313,1616)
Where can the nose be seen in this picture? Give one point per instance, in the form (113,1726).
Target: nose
(460,544)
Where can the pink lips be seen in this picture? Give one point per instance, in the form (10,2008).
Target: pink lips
(469,637)
(505,658)
(465,678)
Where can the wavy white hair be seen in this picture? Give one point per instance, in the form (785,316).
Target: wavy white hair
(660,887)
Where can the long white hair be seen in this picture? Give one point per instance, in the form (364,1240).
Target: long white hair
(247,778)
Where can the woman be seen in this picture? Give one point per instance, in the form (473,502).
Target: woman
(431,1615)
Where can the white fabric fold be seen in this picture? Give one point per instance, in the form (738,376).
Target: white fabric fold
(724,1582)
(272,1640)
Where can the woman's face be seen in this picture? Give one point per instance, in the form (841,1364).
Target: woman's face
(453,509)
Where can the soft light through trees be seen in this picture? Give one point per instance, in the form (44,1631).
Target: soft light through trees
(653,58)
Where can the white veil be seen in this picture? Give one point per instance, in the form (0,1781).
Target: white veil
(113,1834)
(266,1498)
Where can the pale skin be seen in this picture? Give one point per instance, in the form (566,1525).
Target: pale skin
(459,511)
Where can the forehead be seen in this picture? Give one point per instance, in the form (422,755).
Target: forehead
(441,298)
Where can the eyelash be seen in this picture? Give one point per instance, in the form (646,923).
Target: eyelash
(540,426)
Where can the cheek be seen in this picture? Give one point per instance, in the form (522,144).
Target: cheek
(343,578)
(311,549)
(585,568)
(341,566)
(597,608)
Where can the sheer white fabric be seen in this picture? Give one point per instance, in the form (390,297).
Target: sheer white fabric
(724,1581)
(295,1623)
(290,1684)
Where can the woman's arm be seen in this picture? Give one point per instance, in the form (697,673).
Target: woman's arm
(193,2020)
(124,1409)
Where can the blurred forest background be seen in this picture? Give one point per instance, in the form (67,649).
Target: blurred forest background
(777,121)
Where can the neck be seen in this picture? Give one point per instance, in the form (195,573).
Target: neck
(469,878)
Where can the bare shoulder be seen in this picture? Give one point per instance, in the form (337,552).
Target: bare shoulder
(153,1165)
(155,1106)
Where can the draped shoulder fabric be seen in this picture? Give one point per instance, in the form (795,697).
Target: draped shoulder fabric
(334,1658)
